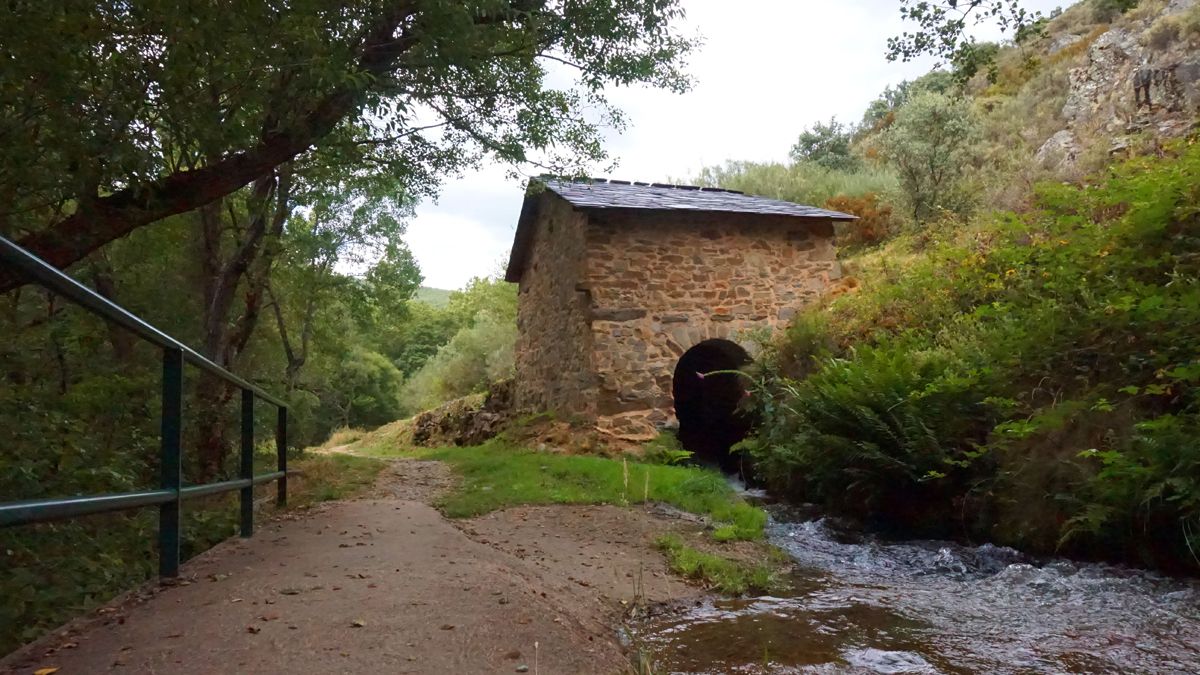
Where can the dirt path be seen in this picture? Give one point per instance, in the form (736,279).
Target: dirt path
(386,584)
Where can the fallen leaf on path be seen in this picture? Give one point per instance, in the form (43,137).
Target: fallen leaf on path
(253,630)
(45,671)
(447,626)
(358,623)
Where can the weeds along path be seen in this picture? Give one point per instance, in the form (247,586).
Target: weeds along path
(387,584)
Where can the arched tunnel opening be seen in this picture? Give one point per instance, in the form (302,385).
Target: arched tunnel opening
(707,402)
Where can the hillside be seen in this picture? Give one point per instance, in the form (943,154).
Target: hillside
(1011,355)
(437,297)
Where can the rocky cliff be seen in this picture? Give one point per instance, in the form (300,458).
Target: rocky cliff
(1140,75)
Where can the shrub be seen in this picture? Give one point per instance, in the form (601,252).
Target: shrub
(1104,11)
(801,182)
(1059,344)
(664,449)
(476,357)
(868,434)
(931,144)
(874,222)
(1162,33)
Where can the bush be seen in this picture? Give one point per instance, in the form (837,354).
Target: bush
(931,145)
(800,182)
(1104,11)
(1060,344)
(1162,33)
(874,222)
(868,434)
(475,357)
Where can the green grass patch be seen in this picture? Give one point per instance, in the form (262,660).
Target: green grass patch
(726,575)
(497,475)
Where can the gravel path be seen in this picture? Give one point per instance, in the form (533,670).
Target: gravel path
(386,584)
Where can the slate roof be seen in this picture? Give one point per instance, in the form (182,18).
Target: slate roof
(601,193)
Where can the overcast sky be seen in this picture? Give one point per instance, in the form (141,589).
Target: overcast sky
(767,69)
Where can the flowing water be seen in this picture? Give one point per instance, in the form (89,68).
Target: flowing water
(861,605)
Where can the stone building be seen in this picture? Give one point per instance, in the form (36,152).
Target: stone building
(630,293)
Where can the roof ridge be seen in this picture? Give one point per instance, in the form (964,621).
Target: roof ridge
(614,181)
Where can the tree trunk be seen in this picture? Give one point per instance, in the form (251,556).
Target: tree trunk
(226,336)
(119,338)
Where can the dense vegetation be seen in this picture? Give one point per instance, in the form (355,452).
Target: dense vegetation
(239,176)
(1014,356)
(1029,378)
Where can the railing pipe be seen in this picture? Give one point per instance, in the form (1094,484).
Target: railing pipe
(170,496)
(48,276)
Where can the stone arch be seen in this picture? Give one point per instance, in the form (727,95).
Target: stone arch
(688,334)
(707,402)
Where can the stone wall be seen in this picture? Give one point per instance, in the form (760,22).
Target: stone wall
(662,282)
(554,342)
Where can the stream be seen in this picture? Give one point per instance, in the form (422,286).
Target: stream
(858,604)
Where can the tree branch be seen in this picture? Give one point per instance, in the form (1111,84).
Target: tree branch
(116,215)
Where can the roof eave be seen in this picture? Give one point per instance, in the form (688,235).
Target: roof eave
(523,238)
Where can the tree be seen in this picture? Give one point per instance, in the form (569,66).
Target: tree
(827,145)
(931,143)
(942,24)
(364,394)
(800,182)
(879,112)
(146,110)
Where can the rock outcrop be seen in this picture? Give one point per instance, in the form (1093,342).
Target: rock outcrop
(1128,84)
(470,420)
(1058,152)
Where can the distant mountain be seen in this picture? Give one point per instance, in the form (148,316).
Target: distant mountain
(438,297)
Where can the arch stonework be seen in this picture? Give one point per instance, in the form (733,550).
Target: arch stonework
(610,299)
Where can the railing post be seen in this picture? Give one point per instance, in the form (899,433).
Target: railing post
(172,468)
(247,467)
(281,453)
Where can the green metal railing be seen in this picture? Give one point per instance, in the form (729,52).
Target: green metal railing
(172,492)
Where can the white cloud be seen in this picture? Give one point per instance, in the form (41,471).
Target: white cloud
(767,70)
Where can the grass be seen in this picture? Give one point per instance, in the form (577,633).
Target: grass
(497,475)
(336,476)
(724,574)
(343,436)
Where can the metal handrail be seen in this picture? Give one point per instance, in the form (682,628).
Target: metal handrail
(172,492)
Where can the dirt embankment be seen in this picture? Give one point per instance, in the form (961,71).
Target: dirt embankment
(386,584)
